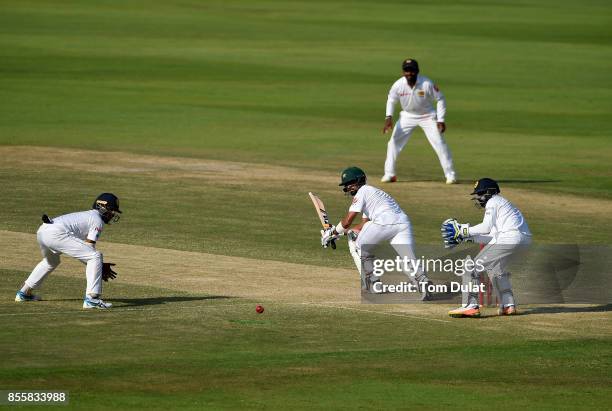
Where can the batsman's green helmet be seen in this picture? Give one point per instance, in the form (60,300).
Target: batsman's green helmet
(351,175)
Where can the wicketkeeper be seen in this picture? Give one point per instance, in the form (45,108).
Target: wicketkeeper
(382,221)
(504,232)
(75,235)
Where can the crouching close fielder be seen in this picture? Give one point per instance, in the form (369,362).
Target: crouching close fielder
(75,235)
(505,233)
(382,221)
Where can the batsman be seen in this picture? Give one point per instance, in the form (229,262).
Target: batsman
(382,220)
(503,232)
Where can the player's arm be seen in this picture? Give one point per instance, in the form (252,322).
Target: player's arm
(345,223)
(95,229)
(486,226)
(332,233)
(392,99)
(359,226)
(438,97)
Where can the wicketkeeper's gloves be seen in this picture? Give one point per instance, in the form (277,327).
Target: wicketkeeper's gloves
(454,233)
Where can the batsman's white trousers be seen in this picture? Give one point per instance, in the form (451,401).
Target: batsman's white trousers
(54,240)
(398,235)
(401,134)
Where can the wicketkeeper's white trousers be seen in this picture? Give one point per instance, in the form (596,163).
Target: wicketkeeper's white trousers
(494,259)
(54,240)
(401,134)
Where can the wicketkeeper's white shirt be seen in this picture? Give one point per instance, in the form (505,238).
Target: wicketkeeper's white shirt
(378,206)
(417,102)
(501,219)
(82,224)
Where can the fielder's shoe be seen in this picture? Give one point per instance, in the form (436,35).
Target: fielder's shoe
(451,181)
(388,179)
(470,311)
(21,297)
(508,310)
(95,303)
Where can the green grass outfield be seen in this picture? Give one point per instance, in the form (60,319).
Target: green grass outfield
(162,350)
(267,101)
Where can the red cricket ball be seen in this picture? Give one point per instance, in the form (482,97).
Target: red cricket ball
(259,309)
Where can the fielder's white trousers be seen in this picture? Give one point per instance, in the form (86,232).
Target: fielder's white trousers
(54,240)
(401,134)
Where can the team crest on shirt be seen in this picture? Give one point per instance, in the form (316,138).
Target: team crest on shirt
(421,93)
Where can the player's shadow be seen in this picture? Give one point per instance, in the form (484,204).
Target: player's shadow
(519,181)
(561,309)
(471,182)
(134,302)
(557,310)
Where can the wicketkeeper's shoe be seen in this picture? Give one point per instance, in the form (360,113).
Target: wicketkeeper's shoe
(95,303)
(470,311)
(388,179)
(22,297)
(508,310)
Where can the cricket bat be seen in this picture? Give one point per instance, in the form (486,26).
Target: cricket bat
(322,213)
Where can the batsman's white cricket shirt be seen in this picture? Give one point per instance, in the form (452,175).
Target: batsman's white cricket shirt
(83,224)
(378,206)
(417,102)
(502,219)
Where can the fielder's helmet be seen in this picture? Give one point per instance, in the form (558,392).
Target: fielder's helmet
(107,205)
(410,65)
(484,189)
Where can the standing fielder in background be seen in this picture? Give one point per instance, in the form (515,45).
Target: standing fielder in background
(504,231)
(75,235)
(416,94)
(382,219)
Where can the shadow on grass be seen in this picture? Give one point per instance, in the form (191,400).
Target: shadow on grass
(133,302)
(558,310)
(561,309)
(471,182)
(528,181)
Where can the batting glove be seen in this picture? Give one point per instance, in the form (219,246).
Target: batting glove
(328,238)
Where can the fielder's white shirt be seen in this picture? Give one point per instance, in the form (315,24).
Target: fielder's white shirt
(417,101)
(378,206)
(501,218)
(83,224)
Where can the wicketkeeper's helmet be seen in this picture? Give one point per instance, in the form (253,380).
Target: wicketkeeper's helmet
(484,189)
(107,205)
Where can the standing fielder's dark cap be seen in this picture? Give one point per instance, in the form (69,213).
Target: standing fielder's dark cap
(410,65)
